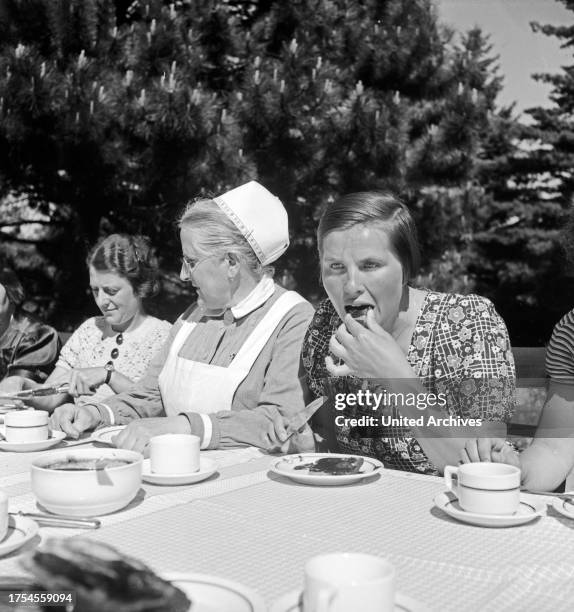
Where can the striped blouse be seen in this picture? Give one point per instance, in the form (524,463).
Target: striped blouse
(560,351)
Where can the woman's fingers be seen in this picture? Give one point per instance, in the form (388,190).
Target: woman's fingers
(133,438)
(476,450)
(63,420)
(336,370)
(464,457)
(485,450)
(336,347)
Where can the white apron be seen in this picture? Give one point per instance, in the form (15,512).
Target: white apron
(191,386)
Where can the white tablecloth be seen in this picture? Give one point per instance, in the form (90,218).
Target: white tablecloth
(251,526)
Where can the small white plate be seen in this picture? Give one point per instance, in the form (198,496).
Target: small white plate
(565,507)
(529,509)
(105,434)
(212,594)
(207,467)
(287,466)
(27,447)
(20,531)
(292,602)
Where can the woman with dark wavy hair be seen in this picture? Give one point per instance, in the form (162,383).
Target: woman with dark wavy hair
(108,353)
(27,347)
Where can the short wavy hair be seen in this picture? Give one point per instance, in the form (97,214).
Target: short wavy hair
(130,257)
(376,208)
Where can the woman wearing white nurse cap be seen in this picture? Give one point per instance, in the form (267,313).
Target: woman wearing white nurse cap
(260,217)
(230,369)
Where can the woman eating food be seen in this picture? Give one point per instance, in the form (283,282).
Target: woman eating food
(390,356)
(230,369)
(108,353)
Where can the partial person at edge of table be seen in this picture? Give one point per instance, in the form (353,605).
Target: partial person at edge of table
(405,340)
(548,460)
(230,369)
(108,353)
(27,347)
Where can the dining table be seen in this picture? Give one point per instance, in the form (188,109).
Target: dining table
(248,524)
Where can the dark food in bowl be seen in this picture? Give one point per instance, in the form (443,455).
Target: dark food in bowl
(102,578)
(71,464)
(334,465)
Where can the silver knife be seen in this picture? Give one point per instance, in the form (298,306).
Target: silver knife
(303,417)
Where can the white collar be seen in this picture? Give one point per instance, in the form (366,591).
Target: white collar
(259,295)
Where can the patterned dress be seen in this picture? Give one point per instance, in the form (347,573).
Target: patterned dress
(460,348)
(90,347)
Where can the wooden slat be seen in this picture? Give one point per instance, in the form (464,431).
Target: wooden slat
(530,366)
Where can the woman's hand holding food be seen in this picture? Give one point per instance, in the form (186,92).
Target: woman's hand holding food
(366,351)
(494,450)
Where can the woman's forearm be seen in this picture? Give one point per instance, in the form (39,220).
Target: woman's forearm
(120,382)
(546,463)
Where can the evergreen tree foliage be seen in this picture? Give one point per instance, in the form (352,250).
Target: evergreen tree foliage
(124,113)
(527,176)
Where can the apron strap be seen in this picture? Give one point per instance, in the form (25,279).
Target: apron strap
(180,338)
(254,344)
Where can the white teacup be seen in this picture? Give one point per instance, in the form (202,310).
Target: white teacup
(340,582)
(174,454)
(26,426)
(485,488)
(3,515)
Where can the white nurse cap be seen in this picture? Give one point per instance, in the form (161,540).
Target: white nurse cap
(260,217)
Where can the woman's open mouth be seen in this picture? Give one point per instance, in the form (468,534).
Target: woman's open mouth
(359,313)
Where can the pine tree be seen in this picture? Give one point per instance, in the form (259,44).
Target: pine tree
(528,182)
(126,117)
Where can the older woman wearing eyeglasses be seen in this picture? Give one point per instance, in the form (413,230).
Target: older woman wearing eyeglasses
(108,353)
(230,370)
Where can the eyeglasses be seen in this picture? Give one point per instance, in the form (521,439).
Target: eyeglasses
(116,351)
(189,265)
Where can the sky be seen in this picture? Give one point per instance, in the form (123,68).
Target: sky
(522,52)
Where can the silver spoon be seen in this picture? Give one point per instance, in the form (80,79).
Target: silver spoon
(61,520)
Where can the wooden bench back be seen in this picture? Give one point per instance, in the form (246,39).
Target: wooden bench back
(530,366)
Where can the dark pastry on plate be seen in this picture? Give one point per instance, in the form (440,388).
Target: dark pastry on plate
(336,466)
(102,578)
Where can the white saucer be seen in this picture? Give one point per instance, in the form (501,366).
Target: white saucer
(206,468)
(565,507)
(20,531)
(291,602)
(212,594)
(27,447)
(286,466)
(530,508)
(105,434)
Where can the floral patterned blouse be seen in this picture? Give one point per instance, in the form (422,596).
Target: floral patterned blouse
(460,348)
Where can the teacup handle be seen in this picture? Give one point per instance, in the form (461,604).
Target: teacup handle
(449,472)
(323,600)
